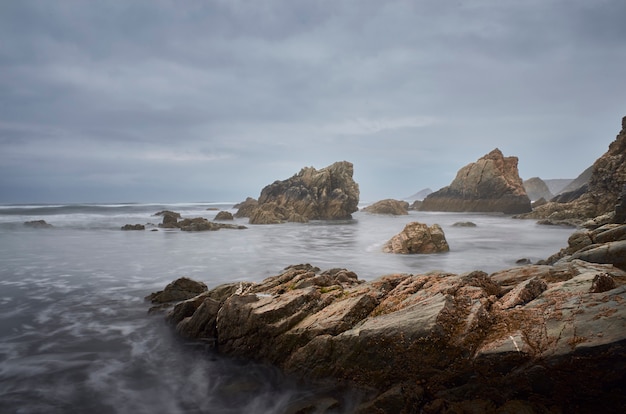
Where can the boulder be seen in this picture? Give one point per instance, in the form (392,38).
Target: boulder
(170,219)
(600,193)
(181,289)
(388,206)
(327,194)
(540,338)
(418,238)
(491,184)
(224,215)
(536,189)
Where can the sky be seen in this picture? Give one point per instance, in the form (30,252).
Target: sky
(199,101)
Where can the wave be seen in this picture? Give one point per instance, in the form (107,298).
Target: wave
(101,208)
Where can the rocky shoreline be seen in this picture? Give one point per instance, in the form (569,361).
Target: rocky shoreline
(548,337)
(535,338)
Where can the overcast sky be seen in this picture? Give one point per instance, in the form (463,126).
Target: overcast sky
(164,101)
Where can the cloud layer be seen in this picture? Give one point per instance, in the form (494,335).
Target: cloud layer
(211,100)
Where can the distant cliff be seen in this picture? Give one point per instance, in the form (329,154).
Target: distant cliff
(491,184)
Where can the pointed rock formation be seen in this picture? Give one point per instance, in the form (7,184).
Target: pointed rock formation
(327,194)
(601,194)
(491,184)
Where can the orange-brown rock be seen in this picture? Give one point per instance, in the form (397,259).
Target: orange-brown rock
(326,194)
(418,238)
(491,184)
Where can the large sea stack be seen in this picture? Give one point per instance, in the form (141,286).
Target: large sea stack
(491,184)
(326,194)
(608,178)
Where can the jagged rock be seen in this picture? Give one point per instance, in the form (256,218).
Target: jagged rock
(181,289)
(418,238)
(133,227)
(327,194)
(416,205)
(246,208)
(388,206)
(536,189)
(224,215)
(491,184)
(40,224)
(546,338)
(600,195)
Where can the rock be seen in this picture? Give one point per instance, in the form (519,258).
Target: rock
(133,227)
(492,184)
(540,338)
(180,289)
(388,206)
(168,213)
(612,252)
(416,205)
(601,192)
(170,219)
(327,194)
(464,224)
(539,202)
(224,215)
(246,208)
(620,207)
(418,238)
(40,224)
(537,189)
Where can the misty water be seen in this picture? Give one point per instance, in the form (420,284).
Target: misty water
(75,334)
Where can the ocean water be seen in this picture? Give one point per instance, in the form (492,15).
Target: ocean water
(75,335)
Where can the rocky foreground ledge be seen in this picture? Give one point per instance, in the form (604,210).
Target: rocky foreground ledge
(532,339)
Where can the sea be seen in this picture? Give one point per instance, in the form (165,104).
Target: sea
(76,335)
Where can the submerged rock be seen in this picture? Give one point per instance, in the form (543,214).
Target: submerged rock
(41,224)
(133,227)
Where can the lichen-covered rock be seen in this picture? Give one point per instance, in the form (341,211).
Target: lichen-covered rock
(327,194)
(530,336)
(418,238)
(388,206)
(491,184)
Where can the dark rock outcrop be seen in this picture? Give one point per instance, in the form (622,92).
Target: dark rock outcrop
(39,224)
(327,194)
(599,196)
(389,207)
(491,184)
(180,289)
(195,224)
(224,215)
(133,227)
(418,238)
(536,188)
